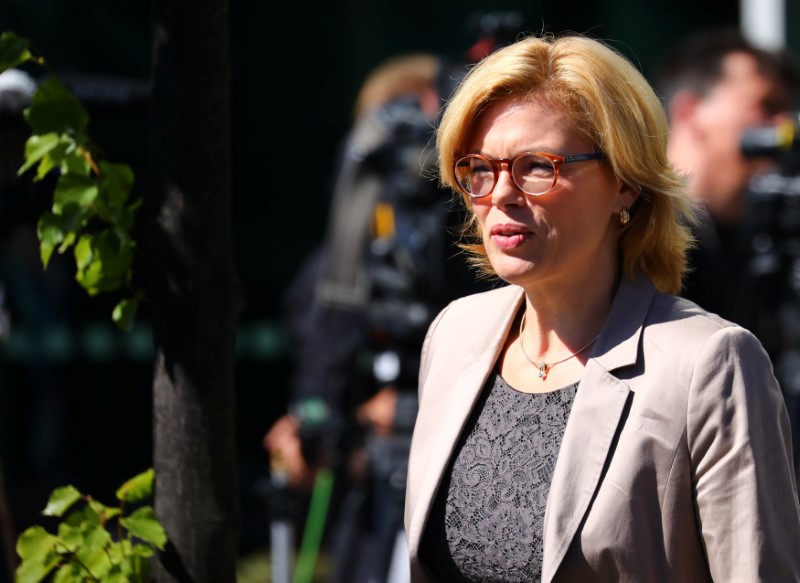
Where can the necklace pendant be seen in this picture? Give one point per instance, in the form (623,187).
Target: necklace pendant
(542,370)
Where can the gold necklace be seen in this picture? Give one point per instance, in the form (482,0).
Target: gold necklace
(544,367)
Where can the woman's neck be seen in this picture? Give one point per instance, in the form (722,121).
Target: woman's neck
(560,319)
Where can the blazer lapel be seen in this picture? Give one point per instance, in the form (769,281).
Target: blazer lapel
(593,422)
(466,390)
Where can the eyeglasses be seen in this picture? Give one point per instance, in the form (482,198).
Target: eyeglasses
(534,173)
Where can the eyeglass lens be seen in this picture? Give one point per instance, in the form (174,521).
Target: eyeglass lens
(532,173)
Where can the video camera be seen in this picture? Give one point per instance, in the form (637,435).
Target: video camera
(408,246)
(772,216)
(773,140)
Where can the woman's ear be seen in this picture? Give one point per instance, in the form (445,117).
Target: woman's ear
(626,196)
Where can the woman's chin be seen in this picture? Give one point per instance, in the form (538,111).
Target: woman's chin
(514,270)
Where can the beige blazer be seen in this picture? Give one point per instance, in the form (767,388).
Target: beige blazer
(676,460)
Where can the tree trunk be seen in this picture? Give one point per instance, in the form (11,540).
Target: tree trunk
(193,291)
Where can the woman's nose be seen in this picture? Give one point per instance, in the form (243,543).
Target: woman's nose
(506,192)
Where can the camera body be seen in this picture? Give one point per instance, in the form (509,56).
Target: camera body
(772,227)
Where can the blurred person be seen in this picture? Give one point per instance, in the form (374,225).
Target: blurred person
(716,86)
(407,78)
(411,75)
(385,268)
(582,422)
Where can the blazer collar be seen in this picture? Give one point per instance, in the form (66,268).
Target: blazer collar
(597,412)
(618,344)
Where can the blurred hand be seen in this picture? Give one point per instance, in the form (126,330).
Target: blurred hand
(283,445)
(378,412)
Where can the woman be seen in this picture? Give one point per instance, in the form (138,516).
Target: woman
(652,432)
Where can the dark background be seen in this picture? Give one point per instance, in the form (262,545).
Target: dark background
(74,392)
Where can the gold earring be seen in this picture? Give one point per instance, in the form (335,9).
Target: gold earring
(624,217)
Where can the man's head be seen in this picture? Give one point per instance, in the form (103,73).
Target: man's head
(715,86)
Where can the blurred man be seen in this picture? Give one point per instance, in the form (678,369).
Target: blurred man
(357,315)
(716,86)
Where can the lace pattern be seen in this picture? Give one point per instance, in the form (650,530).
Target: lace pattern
(486,522)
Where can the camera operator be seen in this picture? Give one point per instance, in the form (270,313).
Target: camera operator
(326,304)
(325,308)
(357,314)
(716,85)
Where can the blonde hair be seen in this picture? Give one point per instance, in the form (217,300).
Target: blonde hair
(410,74)
(613,106)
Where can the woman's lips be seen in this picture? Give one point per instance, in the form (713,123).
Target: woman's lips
(509,236)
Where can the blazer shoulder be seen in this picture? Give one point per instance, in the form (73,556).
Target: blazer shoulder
(693,319)
(686,332)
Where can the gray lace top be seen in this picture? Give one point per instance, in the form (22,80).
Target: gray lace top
(486,522)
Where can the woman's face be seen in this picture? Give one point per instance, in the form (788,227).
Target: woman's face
(561,238)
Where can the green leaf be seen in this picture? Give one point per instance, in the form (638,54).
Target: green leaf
(116,182)
(33,571)
(82,516)
(84,252)
(48,150)
(66,149)
(36,148)
(54,229)
(96,560)
(13,51)
(124,316)
(71,219)
(76,189)
(73,163)
(35,543)
(103,512)
(72,572)
(71,536)
(118,575)
(94,536)
(138,487)
(136,567)
(50,234)
(119,550)
(110,513)
(69,240)
(45,166)
(104,260)
(60,500)
(54,109)
(144,525)
(143,551)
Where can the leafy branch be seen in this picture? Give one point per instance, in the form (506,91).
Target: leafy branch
(91,213)
(83,549)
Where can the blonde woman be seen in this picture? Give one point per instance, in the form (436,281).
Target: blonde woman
(581,422)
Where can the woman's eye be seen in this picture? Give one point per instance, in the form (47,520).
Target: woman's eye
(480,167)
(531,165)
